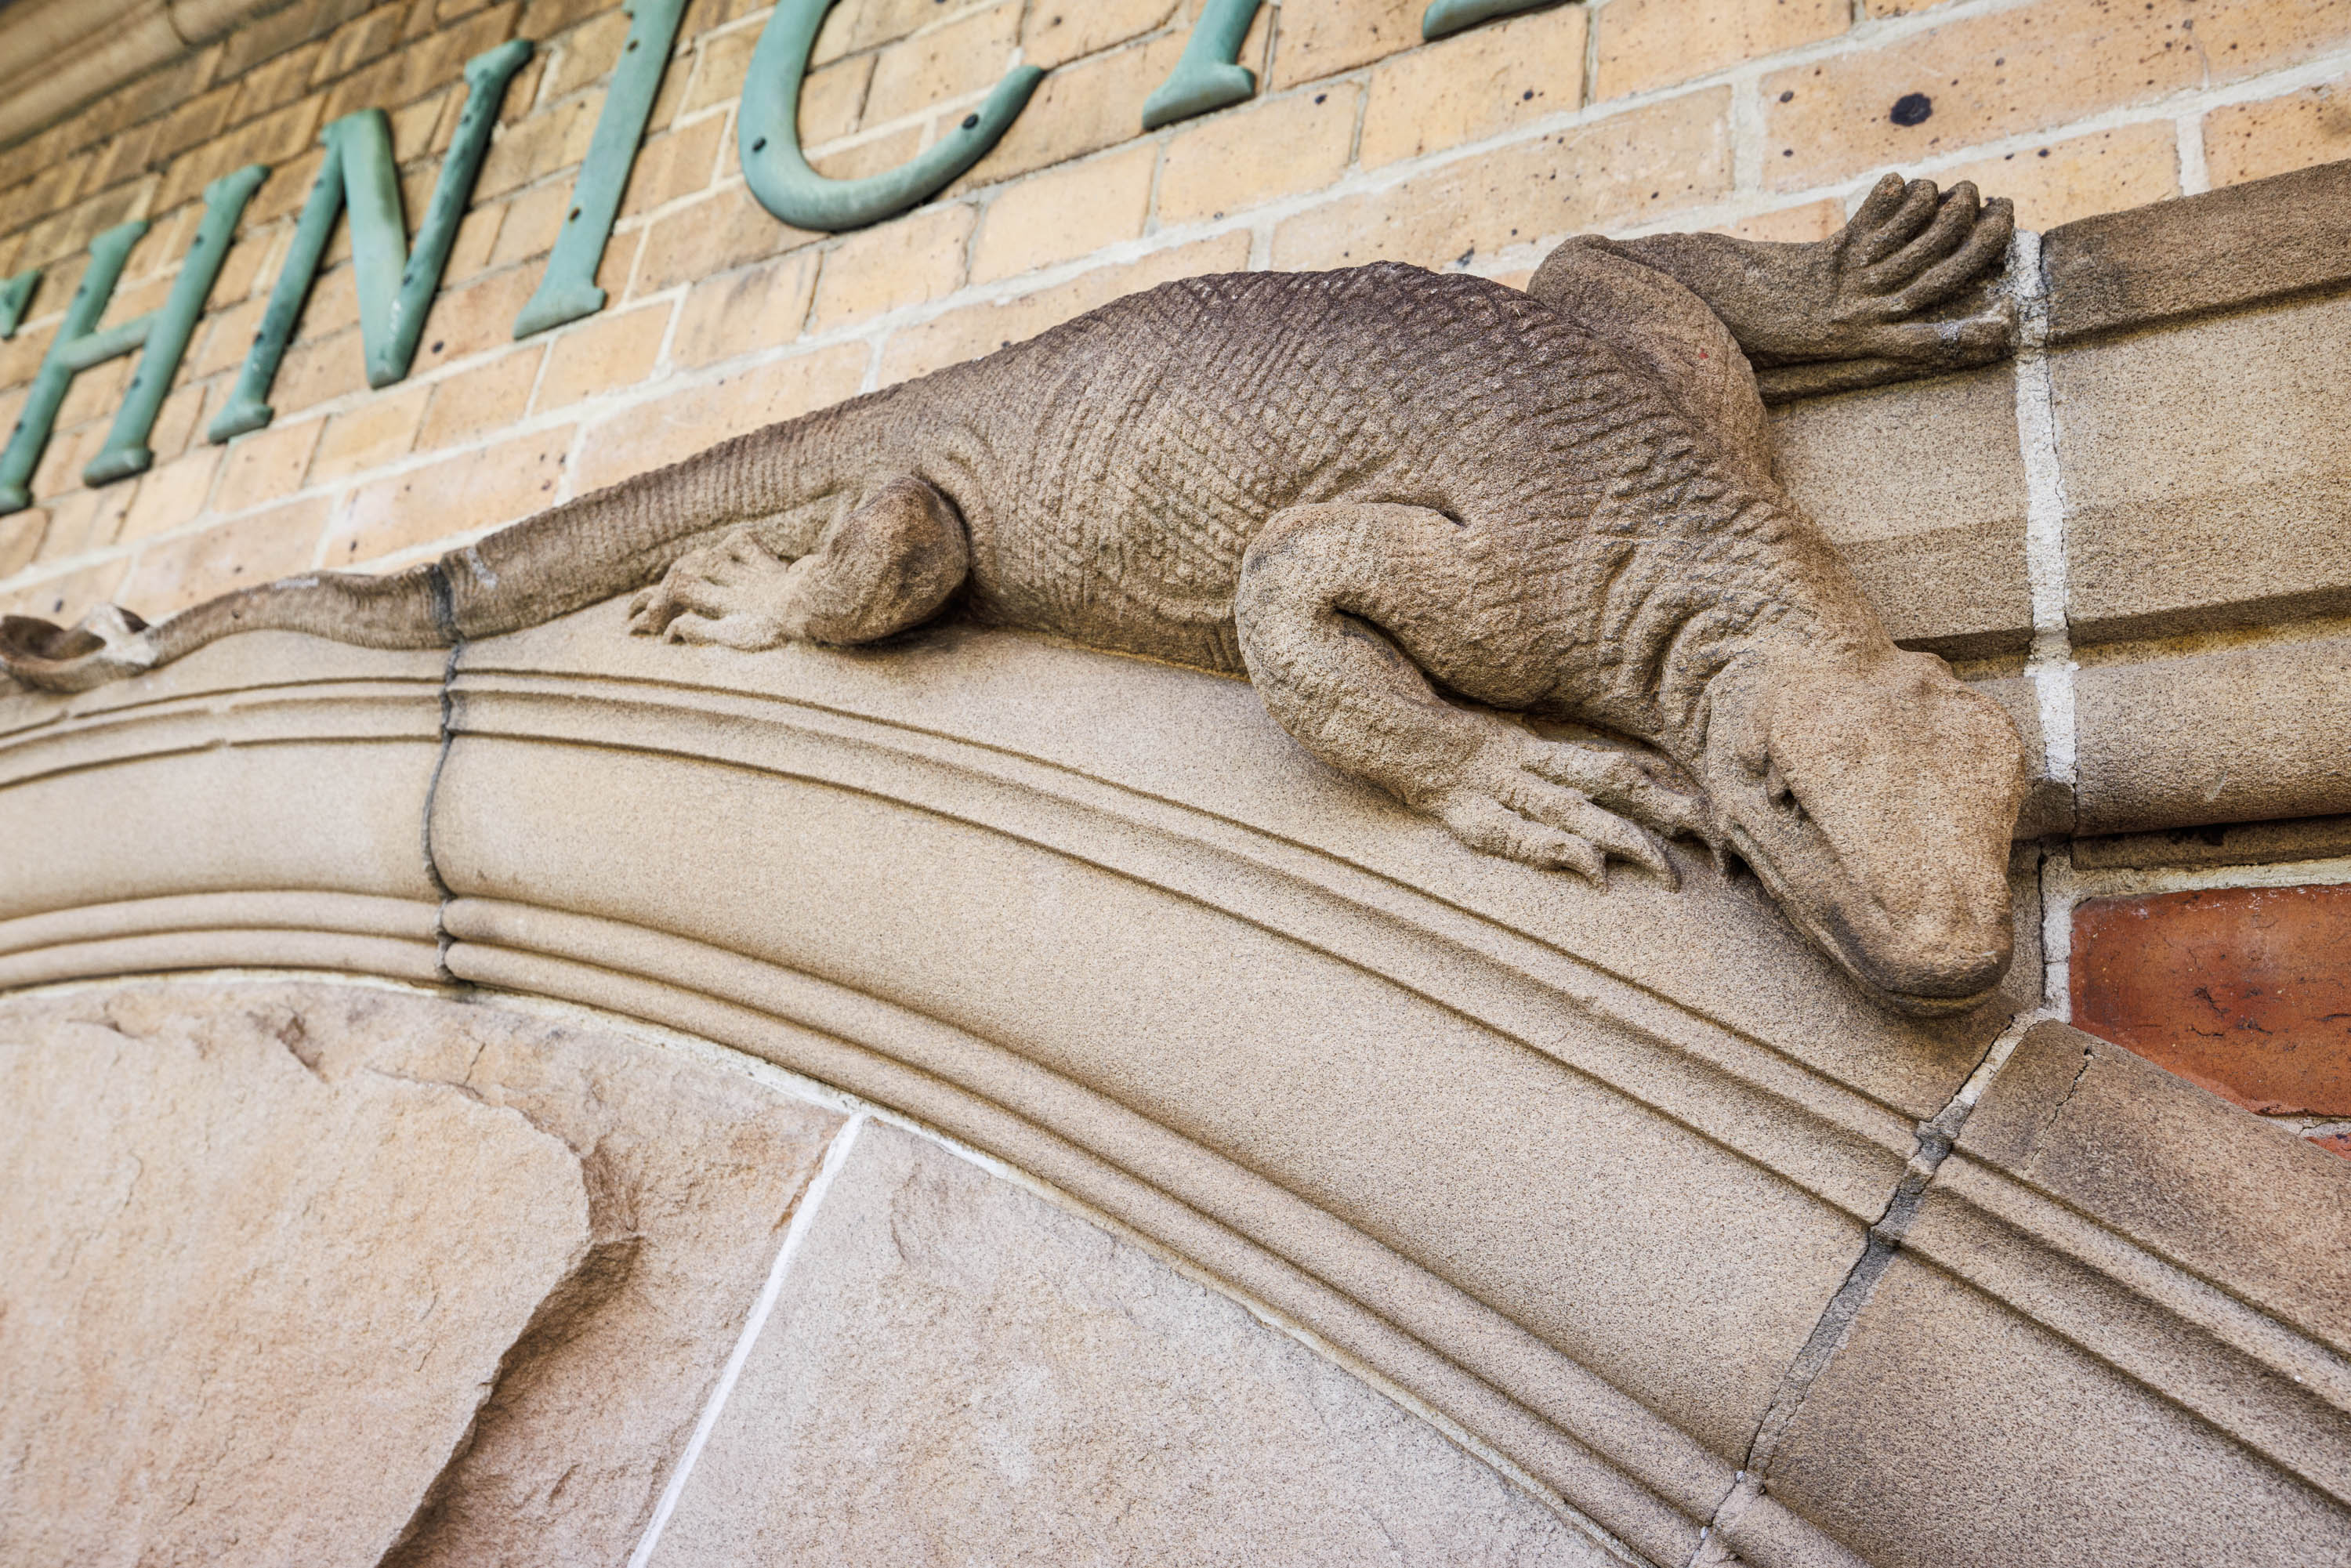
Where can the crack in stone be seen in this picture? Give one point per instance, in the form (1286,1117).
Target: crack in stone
(441,940)
(1935,1137)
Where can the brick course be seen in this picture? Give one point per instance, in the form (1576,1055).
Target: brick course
(2246,991)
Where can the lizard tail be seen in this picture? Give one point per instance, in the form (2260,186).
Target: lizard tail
(562,560)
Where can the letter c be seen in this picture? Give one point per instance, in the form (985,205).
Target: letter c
(768,131)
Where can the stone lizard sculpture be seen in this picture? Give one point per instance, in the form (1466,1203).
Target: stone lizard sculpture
(1382,494)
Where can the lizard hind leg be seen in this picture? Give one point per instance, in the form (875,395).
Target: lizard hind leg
(877,569)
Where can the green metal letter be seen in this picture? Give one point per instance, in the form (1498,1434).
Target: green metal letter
(568,290)
(1445,17)
(15,294)
(1210,75)
(163,334)
(395,287)
(768,128)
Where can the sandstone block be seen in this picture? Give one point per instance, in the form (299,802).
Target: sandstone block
(1065,214)
(79,522)
(478,490)
(688,1170)
(848,28)
(2063,182)
(265,464)
(718,67)
(1276,147)
(1052,35)
(2208,474)
(584,56)
(252,1311)
(480,399)
(1628,169)
(2238,1199)
(2252,140)
(2242,990)
(1921,486)
(66,596)
(722,232)
(1474,84)
(912,258)
(378,431)
(831,97)
(955,60)
(1982,78)
(609,351)
(675,165)
(650,434)
(2236,736)
(959,1371)
(2223,250)
(1945,1410)
(475,319)
(1649,44)
(171,495)
(174,573)
(976,329)
(1793,225)
(1323,37)
(737,312)
(1079,109)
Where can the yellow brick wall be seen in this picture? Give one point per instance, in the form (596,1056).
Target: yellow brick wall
(1765,117)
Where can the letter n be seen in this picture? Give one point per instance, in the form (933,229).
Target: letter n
(395,285)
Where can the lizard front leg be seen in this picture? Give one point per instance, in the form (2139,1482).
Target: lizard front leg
(1340,608)
(1858,307)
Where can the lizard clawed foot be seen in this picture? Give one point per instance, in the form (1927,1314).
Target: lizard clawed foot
(1562,806)
(106,645)
(733,593)
(1909,249)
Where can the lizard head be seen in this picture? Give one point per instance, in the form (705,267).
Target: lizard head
(1874,797)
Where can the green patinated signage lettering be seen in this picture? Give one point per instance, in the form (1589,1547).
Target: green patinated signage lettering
(1445,17)
(568,290)
(395,287)
(162,334)
(768,131)
(1210,75)
(14,294)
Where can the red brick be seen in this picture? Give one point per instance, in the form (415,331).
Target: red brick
(2244,990)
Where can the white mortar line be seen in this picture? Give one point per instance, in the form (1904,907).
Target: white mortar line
(2060,891)
(2195,178)
(2050,664)
(836,1155)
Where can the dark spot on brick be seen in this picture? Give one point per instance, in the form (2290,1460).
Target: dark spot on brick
(1912,109)
(1321,97)
(1528,96)
(2043,153)
(1789,96)
(437,348)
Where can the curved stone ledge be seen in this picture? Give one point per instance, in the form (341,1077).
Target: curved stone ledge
(1587,1171)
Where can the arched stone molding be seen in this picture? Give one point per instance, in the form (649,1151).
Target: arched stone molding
(1625,1183)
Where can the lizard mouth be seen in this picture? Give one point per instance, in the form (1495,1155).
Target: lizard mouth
(1936,996)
